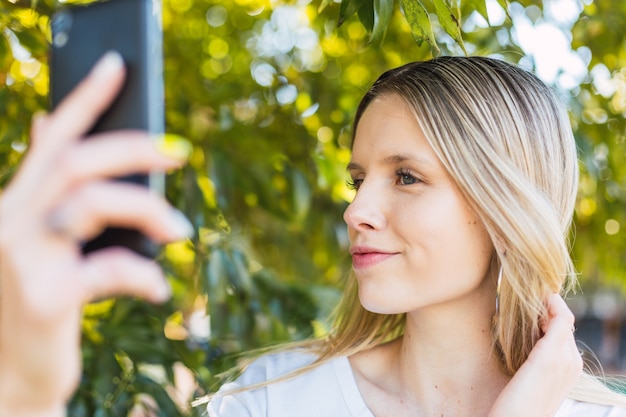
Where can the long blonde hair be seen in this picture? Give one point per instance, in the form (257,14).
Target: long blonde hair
(506,142)
(505,139)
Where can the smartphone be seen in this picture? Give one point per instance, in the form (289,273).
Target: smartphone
(83,34)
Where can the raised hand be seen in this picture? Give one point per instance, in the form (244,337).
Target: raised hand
(62,196)
(554,365)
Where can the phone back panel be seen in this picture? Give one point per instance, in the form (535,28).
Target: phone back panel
(81,35)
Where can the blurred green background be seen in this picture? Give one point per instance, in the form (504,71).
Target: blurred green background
(265,90)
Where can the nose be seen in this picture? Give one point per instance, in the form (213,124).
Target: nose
(366,212)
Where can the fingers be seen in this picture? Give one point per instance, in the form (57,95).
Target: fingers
(75,115)
(103,156)
(560,318)
(558,340)
(52,133)
(117,271)
(82,107)
(114,155)
(37,124)
(91,208)
(554,365)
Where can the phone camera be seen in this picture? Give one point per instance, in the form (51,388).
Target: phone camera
(61,26)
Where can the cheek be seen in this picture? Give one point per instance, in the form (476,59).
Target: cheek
(481,249)
(451,237)
(474,249)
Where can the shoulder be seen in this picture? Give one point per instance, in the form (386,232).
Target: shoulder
(268,367)
(299,395)
(237,398)
(573,408)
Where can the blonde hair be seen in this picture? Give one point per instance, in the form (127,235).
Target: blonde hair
(506,141)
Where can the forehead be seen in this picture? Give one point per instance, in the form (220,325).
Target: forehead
(389,129)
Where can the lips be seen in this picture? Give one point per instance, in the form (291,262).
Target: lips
(366,257)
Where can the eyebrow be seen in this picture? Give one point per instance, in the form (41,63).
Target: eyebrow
(393,159)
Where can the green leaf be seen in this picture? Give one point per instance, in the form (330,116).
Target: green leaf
(366,14)
(217,278)
(481,7)
(236,271)
(301,194)
(33,41)
(79,408)
(383,10)
(323,5)
(101,412)
(166,407)
(419,20)
(505,5)
(347,9)
(449,22)
(6,55)
(241,270)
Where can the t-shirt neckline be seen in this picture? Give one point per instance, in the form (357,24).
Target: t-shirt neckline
(349,388)
(355,401)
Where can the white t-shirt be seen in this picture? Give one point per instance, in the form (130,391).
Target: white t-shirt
(329,390)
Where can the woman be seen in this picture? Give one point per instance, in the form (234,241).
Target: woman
(465,171)
(466,175)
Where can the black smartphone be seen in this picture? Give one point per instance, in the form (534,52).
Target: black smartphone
(83,34)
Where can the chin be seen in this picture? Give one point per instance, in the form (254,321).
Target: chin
(376,303)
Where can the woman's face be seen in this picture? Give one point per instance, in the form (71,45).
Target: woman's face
(414,241)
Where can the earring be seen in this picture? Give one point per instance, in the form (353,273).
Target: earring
(498,291)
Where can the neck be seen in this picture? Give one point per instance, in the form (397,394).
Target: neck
(445,360)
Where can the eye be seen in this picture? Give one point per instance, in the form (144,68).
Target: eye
(354,184)
(406,178)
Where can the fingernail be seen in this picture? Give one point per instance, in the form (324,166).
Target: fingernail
(163,292)
(181,226)
(108,64)
(174,146)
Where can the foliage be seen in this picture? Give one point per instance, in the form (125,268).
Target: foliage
(599,114)
(265,91)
